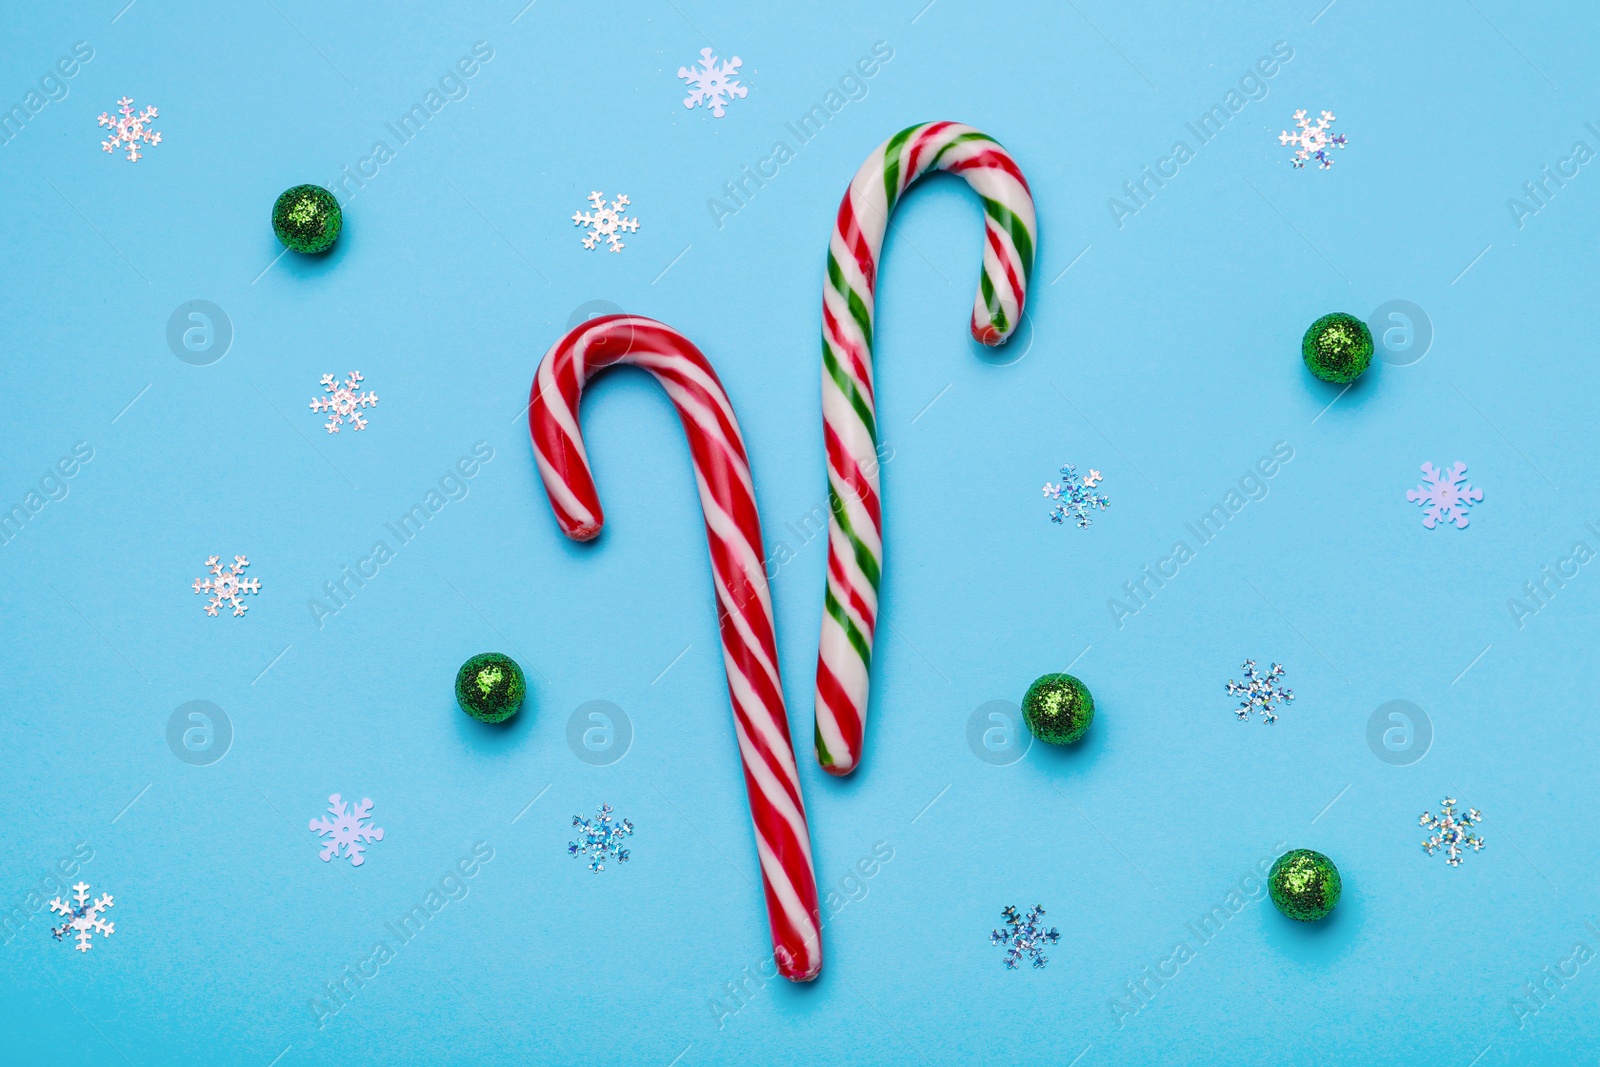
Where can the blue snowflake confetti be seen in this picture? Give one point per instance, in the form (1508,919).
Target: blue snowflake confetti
(1024,937)
(1073,498)
(1452,831)
(600,838)
(1261,692)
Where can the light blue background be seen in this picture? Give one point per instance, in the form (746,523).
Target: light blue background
(1167,358)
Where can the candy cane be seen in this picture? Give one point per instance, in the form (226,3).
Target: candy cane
(738,571)
(855,528)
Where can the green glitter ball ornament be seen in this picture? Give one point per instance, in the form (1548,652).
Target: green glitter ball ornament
(307,219)
(490,687)
(1305,885)
(1337,348)
(1058,709)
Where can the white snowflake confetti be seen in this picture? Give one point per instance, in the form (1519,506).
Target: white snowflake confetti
(1313,140)
(344,402)
(347,830)
(83,918)
(227,586)
(1024,938)
(1444,495)
(1261,692)
(129,129)
(606,221)
(600,838)
(1073,498)
(1452,831)
(712,82)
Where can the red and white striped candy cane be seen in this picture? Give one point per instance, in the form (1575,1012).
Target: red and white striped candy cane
(738,570)
(855,528)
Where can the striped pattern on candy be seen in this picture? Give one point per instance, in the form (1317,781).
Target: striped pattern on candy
(855,529)
(738,571)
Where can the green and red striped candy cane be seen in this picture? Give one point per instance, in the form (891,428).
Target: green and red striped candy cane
(855,529)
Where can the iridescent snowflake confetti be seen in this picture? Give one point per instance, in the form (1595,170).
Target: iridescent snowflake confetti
(1261,692)
(1024,937)
(129,130)
(712,82)
(1452,831)
(348,831)
(227,586)
(606,221)
(600,838)
(72,912)
(1444,495)
(83,917)
(1313,140)
(343,402)
(1073,498)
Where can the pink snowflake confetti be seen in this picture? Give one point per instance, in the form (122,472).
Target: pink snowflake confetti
(347,830)
(226,586)
(1444,495)
(129,129)
(344,402)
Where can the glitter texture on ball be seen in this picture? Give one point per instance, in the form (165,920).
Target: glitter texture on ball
(1305,885)
(1337,348)
(307,219)
(1058,709)
(490,687)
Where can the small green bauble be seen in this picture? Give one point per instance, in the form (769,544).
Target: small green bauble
(1058,709)
(1305,885)
(490,687)
(307,218)
(1337,348)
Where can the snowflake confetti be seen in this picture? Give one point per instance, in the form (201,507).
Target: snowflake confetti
(129,130)
(1313,140)
(83,917)
(1073,498)
(347,830)
(1024,937)
(227,586)
(606,221)
(600,838)
(712,82)
(1444,495)
(343,402)
(1452,831)
(1261,692)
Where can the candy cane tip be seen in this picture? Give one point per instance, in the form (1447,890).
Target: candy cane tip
(791,968)
(825,759)
(988,333)
(583,531)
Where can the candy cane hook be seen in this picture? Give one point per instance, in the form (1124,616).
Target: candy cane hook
(855,527)
(738,571)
